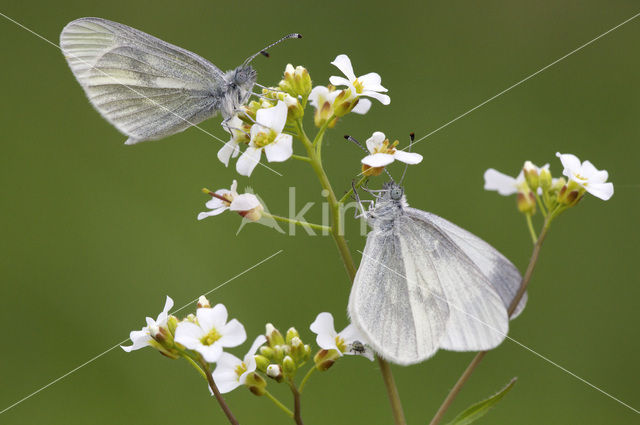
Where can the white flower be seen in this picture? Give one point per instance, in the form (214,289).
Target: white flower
(383,154)
(322,99)
(142,337)
(247,204)
(231,149)
(586,175)
(349,341)
(267,134)
(365,85)
(211,333)
(231,372)
(506,185)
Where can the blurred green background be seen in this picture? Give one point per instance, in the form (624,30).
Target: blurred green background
(95,233)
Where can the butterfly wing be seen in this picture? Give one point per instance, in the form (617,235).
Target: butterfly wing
(477,315)
(147,88)
(501,273)
(400,309)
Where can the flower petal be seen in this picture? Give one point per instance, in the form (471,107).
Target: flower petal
(227,151)
(377,160)
(274,118)
(375,141)
(383,98)
(248,161)
(593,174)
(233,334)
(257,343)
(603,191)
(245,202)
(351,333)
(140,339)
(503,184)
(188,334)
(362,107)
(408,157)
(211,353)
(212,213)
(212,318)
(339,81)
(569,162)
(225,375)
(323,325)
(280,150)
(343,63)
(371,81)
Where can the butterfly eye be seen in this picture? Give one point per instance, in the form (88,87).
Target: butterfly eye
(396,193)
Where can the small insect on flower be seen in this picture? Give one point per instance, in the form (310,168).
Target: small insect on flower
(349,341)
(147,88)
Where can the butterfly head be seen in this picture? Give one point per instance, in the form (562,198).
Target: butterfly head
(393,191)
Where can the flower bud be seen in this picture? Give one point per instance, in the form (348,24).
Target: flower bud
(172,324)
(256,383)
(261,362)
(274,371)
(191,318)
(254,214)
(344,103)
(296,81)
(571,193)
(291,333)
(203,302)
(531,175)
(297,351)
(526,200)
(545,179)
(268,352)
(324,359)
(274,337)
(289,367)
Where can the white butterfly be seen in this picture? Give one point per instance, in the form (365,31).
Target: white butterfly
(147,88)
(425,283)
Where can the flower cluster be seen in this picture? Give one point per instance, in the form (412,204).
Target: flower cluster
(535,185)
(266,125)
(204,337)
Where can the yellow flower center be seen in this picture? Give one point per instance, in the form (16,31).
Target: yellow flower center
(583,180)
(240,369)
(211,337)
(385,148)
(264,138)
(358,86)
(341,344)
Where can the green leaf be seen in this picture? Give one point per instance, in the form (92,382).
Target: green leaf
(478,410)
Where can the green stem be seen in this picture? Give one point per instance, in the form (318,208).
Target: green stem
(195,365)
(297,415)
(512,307)
(306,378)
(540,204)
(532,232)
(301,158)
(278,403)
(350,191)
(347,259)
(216,393)
(298,222)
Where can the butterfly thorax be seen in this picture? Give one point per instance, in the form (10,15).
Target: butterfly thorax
(240,82)
(388,207)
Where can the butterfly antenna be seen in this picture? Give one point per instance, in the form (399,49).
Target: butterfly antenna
(264,51)
(413,137)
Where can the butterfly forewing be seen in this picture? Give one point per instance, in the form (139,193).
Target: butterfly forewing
(147,88)
(477,318)
(499,271)
(402,315)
